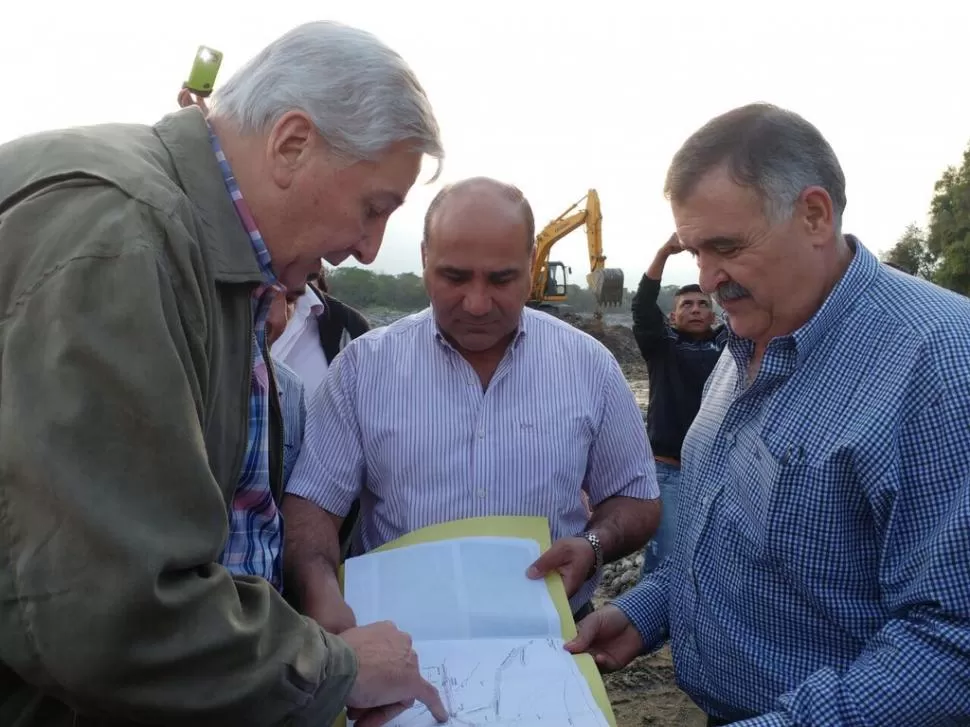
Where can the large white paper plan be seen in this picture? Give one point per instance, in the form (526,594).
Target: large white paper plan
(487,637)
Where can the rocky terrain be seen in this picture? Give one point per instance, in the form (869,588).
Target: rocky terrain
(644,693)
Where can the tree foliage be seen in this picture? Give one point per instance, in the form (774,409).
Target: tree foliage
(911,254)
(948,239)
(366,290)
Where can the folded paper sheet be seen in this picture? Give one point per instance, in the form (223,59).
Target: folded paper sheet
(488,638)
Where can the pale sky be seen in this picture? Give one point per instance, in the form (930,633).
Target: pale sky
(557,97)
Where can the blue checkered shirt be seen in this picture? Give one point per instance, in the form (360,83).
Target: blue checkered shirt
(254,545)
(821,574)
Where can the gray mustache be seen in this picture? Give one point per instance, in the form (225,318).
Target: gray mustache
(730,291)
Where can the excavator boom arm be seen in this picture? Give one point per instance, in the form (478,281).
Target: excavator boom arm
(606,283)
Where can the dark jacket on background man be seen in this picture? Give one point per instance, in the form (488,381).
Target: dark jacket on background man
(678,366)
(340,324)
(125,336)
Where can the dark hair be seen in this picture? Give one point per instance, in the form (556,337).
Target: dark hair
(509,191)
(766,148)
(692,288)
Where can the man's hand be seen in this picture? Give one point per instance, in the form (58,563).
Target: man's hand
(672,246)
(186,98)
(325,604)
(388,676)
(572,557)
(609,637)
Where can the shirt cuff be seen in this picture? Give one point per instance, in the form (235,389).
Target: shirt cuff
(645,605)
(330,498)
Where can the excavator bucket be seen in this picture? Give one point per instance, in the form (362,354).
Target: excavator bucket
(607,285)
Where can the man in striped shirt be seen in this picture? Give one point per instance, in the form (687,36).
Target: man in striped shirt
(474,407)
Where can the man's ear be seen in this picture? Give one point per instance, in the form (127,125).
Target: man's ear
(424,256)
(289,145)
(671,315)
(817,214)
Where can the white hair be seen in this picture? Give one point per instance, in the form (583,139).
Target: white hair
(360,94)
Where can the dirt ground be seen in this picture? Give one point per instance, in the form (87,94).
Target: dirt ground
(645,694)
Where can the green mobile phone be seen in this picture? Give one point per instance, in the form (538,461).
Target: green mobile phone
(202,77)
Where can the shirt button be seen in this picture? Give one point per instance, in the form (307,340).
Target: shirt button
(481,434)
(705,501)
(481,492)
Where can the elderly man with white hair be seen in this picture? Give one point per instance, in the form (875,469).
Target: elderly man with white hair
(140,455)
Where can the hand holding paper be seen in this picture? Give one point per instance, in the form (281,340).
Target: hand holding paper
(572,557)
(609,637)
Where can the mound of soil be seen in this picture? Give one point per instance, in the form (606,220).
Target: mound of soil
(617,338)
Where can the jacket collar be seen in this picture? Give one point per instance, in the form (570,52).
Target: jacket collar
(185,136)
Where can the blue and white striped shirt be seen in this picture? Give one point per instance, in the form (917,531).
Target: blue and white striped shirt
(403,422)
(293,412)
(821,573)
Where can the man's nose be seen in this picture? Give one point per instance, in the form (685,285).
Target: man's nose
(477,302)
(711,275)
(371,243)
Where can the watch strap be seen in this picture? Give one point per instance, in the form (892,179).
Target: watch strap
(594,542)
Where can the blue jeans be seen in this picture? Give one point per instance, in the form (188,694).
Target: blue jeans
(662,545)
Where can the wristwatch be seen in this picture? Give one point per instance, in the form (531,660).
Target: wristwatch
(594,541)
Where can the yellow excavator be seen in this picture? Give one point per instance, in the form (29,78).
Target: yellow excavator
(549,279)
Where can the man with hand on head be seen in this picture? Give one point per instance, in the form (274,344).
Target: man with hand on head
(476,406)
(819,575)
(680,353)
(140,433)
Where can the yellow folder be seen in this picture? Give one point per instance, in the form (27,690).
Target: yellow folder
(533,528)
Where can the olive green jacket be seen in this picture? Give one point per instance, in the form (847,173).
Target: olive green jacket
(125,356)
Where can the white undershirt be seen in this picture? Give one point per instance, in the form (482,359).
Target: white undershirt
(299,344)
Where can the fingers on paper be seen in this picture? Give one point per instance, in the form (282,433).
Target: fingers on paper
(428,695)
(586,631)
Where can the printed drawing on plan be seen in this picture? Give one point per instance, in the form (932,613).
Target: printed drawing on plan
(504,694)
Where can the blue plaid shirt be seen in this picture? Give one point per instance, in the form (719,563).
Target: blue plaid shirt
(254,545)
(821,574)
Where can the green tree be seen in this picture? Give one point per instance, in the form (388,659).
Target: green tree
(367,290)
(948,241)
(910,253)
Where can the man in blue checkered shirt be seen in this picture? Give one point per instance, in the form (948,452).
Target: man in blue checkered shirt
(820,572)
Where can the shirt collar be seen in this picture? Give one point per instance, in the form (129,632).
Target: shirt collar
(186,140)
(242,209)
(308,306)
(857,277)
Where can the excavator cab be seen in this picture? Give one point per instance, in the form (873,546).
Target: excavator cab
(556,281)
